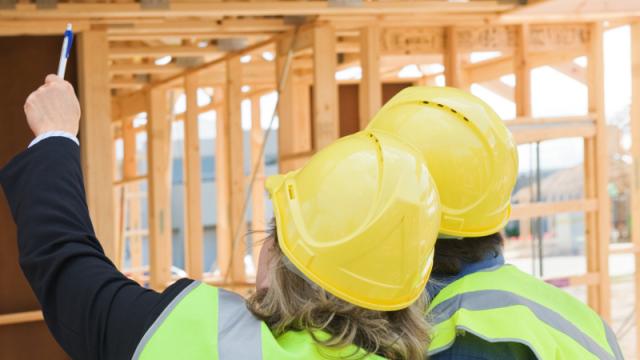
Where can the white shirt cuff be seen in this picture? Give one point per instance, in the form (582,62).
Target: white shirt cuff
(49,134)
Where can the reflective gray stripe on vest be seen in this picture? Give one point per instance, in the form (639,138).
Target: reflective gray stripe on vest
(239,332)
(492,299)
(613,341)
(156,324)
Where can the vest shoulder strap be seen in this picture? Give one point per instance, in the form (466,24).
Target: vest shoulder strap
(203,322)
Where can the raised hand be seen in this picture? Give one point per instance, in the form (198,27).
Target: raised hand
(53,107)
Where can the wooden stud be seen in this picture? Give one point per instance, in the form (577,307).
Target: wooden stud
(119,217)
(452,59)
(129,163)
(326,127)
(370,92)
(132,203)
(95,134)
(522,72)
(233,98)
(193,230)
(159,165)
(635,151)
(603,216)
(231,184)
(302,126)
(223,230)
(258,220)
(286,103)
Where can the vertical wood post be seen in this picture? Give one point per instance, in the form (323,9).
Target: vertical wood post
(326,125)
(223,231)
(159,176)
(286,105)
(635,151)
(131,197)
(370,91)
(96,135)
(193,230)
(258,221)
(232,180)
(598,258)
(452,59)
(522,72)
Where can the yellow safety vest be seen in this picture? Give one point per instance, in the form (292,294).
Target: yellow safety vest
(204,322)
(504,304)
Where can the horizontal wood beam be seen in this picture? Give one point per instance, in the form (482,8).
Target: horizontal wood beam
(531,210)
(523,134)
(494,68)
(126,84)
(526,120)
(571,11)
(592,278)
(200,26)
(243,8)
(624,248)
(46,27)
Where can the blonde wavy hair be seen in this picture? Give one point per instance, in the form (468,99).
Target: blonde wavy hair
(291,303)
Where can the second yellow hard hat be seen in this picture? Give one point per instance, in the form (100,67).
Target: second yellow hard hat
(469,150)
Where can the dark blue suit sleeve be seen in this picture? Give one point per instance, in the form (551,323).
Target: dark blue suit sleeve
(92,309)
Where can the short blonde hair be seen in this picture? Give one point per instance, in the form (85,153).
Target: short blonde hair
(292,303)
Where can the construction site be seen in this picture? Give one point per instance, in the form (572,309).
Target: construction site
(188,105)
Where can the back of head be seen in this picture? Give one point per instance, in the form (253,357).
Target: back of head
(357,225)
(452,254)
(292,302)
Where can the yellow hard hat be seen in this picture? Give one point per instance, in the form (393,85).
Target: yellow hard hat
(470,152)
(360,220)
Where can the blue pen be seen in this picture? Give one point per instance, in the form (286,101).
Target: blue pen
(66,50)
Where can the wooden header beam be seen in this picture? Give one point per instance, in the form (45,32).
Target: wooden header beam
(243,8)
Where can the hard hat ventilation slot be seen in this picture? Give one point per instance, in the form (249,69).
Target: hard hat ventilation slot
(291,192)
(442,106)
